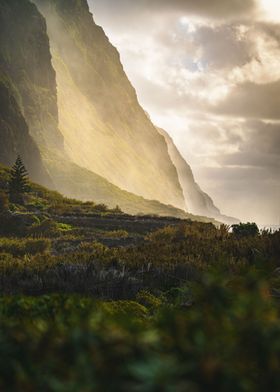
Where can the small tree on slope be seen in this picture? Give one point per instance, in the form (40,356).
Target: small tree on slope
(18,184)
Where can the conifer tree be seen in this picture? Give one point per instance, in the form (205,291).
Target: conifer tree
(18,184)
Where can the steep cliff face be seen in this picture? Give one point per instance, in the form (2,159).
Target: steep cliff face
(85,185)
(15,139)
(104,128)
(198,202)
(25,63)
(29,101)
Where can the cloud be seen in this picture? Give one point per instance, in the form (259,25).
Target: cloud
(265,137)
(208,71)
(208,8)
(237,162)
(230,69)
(244,191)
(252,100)
(217,9)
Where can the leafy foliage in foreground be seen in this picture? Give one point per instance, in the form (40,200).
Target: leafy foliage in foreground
(220,334)
(197,309)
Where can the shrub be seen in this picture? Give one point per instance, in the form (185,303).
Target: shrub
(100,208)
(117,210)
(245,230)
(116,234)
(64,227)
(47,227)
(228,341)
(125,308)
(149,300)
(4,202)
(39,246)
(21,247)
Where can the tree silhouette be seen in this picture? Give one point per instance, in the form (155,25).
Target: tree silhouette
(18,184)
(245,230)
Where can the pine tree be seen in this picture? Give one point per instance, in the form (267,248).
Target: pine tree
(18,184)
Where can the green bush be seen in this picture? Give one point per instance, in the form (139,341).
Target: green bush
(101,208)
(22,247)
(228,340)
(49,228)
(64,227)
(116,234)
(245,230)
(4,202)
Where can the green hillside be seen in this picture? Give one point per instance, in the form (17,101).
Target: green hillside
(47,198)
(93,299)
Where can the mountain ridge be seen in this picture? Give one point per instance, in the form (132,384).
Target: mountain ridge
(95,97)
(199,202)
(16,140)
(53,99)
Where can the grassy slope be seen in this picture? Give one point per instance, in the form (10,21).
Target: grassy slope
(199,306)
(98,189)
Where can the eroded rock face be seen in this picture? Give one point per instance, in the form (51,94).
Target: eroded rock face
(198,202)
(27,72)
(104,127)
(16,140)
(25,63)
(70,103)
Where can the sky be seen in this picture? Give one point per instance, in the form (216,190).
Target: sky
(208,72)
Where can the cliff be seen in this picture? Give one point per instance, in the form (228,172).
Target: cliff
(73,114)
(29,115)
(198,202)
(16,140)
(105,129)
(25,63)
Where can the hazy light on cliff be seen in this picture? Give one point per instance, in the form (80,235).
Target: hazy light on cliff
(212,83)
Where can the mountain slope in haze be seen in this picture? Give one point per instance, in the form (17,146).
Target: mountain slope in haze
(85,185)
(25,66)
(199,202)
(104,127)
(15,139)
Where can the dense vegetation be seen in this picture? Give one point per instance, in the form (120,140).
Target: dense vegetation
(93,299)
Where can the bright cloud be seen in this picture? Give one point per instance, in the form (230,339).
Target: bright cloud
(209,73)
